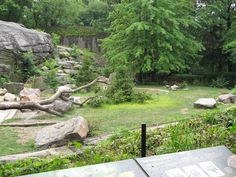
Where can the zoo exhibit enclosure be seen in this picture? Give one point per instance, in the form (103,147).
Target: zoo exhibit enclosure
(209,162)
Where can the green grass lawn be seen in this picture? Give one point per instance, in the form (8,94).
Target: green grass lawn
(162,108)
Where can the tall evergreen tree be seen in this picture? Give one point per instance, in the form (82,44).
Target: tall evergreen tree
(152,36)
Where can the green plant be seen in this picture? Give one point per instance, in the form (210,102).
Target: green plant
(86,73)
(3,80)
(96,102)
(121,89)
(26,66)
(183,85)
(75,51)
(50,75)
(56,39)
(219,82)
(140,97)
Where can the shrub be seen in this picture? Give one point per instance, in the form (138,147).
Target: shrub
(3,80)
(50,75)
(55,39)
(96,102)
(26,66)
(86,73)
(140,97)
(121,89)
(75,51)
(220,82)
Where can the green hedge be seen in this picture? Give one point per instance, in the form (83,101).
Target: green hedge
(206,130)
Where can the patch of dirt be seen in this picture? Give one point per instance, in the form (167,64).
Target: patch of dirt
(184,111)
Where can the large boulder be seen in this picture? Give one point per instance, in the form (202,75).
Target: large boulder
(14,87)
(15,39)
(62,106)
(227,98)
(61,133)
(30,94)
(207,103)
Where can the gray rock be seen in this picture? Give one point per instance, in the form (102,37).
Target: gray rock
(14,87)
(30,94)
(15,39)
(3,91)
(205,103)
(70,71)
(61,133)
(10,97)
(174,87)
(62,106)
(227,98)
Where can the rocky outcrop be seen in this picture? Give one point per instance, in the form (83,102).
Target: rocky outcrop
(15,39)
(206,103)
(14,87)
(61,133)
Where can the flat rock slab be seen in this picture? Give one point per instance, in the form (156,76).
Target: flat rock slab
(7,114)
(205,103)
(61,133)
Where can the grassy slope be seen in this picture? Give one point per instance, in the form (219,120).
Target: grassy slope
(111,118)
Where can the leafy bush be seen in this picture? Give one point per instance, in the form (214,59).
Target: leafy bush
(50,75)
(183,85)
(75,51)
(140,97)
(86,73)
(26,66)
(121,89)
(56,39)
(96,102)
(3,80)
(202,131)
(220,82)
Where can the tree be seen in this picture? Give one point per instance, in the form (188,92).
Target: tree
(216,18)
(12,10)
(152,36)
(230,42)
(48,13)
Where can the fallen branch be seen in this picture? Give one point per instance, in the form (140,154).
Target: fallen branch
(42,105)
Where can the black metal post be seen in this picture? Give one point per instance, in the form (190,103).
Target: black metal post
(143,140)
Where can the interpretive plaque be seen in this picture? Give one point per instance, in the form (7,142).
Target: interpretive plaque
(208,162)
(125,168)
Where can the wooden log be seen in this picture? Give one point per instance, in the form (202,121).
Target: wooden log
(27,124)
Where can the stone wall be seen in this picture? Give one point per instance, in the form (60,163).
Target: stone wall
(90,42)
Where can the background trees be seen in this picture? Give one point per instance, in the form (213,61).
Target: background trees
(152,36)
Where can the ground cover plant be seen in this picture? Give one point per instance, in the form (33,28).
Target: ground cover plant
(204,130)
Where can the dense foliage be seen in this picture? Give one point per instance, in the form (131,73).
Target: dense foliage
(210,129)
(152,36)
